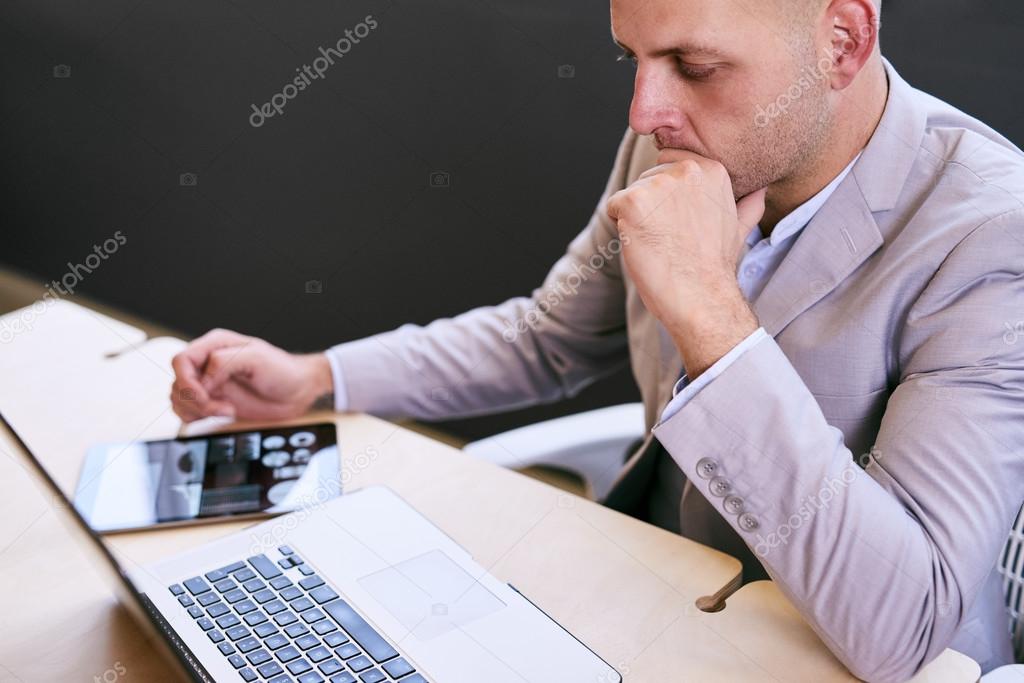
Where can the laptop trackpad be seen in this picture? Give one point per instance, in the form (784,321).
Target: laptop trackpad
(430,594)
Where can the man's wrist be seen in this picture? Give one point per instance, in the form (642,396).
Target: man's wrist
(320,381)
(709,330)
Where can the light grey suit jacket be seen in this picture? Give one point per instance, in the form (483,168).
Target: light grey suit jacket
(870,451)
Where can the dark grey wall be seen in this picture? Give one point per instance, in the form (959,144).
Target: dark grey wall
(338,188)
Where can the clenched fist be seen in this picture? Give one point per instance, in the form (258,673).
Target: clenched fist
(233,375)
(682,233)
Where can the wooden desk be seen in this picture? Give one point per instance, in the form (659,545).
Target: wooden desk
(625,588)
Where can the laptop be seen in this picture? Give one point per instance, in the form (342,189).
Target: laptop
(358,589)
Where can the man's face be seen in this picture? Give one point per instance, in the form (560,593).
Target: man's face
(737,81)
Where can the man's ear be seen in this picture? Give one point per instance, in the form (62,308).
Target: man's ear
(854,33)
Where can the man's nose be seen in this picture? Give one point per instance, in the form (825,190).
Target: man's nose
(653,105)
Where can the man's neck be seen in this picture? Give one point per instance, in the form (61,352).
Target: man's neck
(857,117)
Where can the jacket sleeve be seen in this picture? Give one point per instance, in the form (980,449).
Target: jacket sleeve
(884,562)
(525,351)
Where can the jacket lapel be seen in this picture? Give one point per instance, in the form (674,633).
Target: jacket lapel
(840,237)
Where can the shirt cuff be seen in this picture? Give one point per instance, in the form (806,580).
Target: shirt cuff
(684,390)
(340,394)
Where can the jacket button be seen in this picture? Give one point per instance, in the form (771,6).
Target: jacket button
(733,505)
(706,468)
(720,486)
(748,522)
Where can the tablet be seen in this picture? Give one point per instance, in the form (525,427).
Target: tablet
(190,480)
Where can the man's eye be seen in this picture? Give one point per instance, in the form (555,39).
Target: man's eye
(627,57)
(696,73)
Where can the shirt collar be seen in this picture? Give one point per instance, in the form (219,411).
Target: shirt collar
(798,218)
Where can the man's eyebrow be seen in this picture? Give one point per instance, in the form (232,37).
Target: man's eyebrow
(681,49)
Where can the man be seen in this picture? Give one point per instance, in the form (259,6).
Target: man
(816,272)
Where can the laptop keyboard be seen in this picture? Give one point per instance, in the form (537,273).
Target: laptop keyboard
(280,623)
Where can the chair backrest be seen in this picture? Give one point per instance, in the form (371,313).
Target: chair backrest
(1012,568)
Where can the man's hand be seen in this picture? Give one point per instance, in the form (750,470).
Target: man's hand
(682,234)
(229,374)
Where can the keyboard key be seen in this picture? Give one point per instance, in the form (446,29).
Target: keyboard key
(227,621)
(307,641)
(281,582)
(398,668)
(335,639)
(296,560)
(237,632)
(196,585)
(331,667)
(360,631)
(205,624)
(186,601)
(270,669)
(372,676)
(280,679)
(415,678)
(233,567)
(285,550)
(274,606)
(215,576)
(297,630)
(265,595)
(309,616)
(195,611)
(236,661)
(208,598)
(244,575)
(254,585)
(247,644)
(360,663)
(215,636)
(176,589)
(265,630)
(245,606)
(226,649)
(264,566)
(217,609)
(302,604)
(322,594)
(285,563)
(318,654)
(310,677)
(255,618)
(247,674)
(287,654)
(305,569)
(234,596)
(275,641)
(343,677)
(285,618)
(225,585)
(299,666)
(347,651)
(291,593)
(258,657)
(324,626)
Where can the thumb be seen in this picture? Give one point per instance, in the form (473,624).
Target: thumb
(750,209)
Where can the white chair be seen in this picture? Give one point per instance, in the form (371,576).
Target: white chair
(1011,566)
(594,445)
